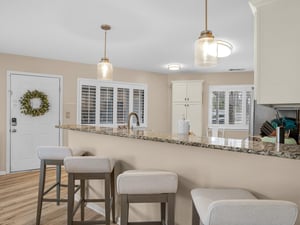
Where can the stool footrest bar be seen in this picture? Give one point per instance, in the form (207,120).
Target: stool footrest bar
(146,223)
(54,200)
(49,189)
(88,222)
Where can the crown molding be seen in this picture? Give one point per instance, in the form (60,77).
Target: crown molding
(259,3)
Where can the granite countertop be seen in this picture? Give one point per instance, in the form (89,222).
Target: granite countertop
(227,144)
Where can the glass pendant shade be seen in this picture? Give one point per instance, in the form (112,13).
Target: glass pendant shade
(104,67)
(104,70)
(206,51)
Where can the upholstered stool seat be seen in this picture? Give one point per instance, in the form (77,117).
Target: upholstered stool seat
(53,153)
(142,186)
(90,168)
(147,182)
(50,155)
(239,207)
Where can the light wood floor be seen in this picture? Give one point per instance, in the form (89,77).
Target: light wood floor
(18,201)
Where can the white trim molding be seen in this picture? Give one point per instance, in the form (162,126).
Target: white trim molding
(9,73)
(2,173)
(259,3)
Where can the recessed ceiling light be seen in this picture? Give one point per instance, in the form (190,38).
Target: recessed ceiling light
(174,66)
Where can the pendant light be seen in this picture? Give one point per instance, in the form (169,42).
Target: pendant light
(104,68)
(207,49)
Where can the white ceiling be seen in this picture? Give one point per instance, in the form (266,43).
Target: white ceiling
(146,34)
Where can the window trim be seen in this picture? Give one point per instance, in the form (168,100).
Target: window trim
(115,85)
(227,89)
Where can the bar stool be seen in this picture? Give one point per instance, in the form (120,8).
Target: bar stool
(239,207)
(144,186)
(90,168)
(50,155)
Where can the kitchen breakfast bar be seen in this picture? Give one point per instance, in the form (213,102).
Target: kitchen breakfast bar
(267,170)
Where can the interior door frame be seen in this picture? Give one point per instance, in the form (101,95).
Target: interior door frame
(8,109)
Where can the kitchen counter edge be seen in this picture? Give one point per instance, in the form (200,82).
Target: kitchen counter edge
(227,144)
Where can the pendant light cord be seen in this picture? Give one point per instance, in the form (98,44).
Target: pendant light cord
(205,15)
(105,45)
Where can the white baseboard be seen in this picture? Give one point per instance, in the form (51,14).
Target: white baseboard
(2,173)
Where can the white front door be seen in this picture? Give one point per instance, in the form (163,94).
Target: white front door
(26,132)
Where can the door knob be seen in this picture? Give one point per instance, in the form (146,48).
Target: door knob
(13,130)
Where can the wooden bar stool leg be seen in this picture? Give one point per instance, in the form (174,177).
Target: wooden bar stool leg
(58,181)
(113,195)
(163,212)
(107,199)
(195,216)
(41,191)
(71,186)
(82,198)
(124,209)
(171,209)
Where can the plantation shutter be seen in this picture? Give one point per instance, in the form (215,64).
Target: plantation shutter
(235,107)
(122,105)
(106,105)
(88,104)
(218,107)
(139,104)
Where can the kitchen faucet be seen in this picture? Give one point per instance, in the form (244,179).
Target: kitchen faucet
(137,119)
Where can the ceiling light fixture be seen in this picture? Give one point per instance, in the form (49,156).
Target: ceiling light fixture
(105,68)
(224,49)
(207,49)
(174,66)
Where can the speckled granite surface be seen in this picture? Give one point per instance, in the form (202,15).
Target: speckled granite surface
(235,145)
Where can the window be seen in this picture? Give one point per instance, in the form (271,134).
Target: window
(230,106)
(108,103)
(88,104)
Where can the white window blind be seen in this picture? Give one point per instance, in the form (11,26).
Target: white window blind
(108,103)
(122,105)
(88,104)
(138,104)
(218,107)
(230,106)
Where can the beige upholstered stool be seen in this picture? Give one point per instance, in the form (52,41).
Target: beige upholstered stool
(50,155)
(142,186)
(239,207)
(90,168)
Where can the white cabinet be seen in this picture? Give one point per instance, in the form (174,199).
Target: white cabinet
(187,102)
(277,35)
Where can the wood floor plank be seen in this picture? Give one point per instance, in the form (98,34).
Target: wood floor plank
(18,200)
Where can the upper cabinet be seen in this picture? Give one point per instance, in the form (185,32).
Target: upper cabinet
(187,103)
(277,47)
(187,91)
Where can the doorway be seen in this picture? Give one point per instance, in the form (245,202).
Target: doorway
(27,131)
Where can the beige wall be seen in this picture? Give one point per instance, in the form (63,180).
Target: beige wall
(236,78)
(157,89)
(266,177)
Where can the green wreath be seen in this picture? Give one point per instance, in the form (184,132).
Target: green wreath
(27,107)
